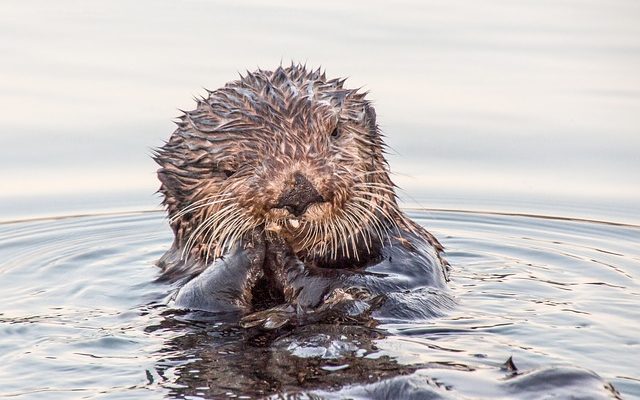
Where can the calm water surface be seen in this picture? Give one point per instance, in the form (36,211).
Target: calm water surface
(82,317)
(497,107)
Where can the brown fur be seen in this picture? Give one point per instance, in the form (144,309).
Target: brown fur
(231,161)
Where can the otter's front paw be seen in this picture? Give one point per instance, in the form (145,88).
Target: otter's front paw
(272,318)
(348,305)
(225,286)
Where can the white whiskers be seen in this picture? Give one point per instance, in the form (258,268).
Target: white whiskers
(221,224)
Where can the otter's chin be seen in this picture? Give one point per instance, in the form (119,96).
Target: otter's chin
(315,213)
(297,229)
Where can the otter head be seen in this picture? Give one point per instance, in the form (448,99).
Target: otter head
(286,153)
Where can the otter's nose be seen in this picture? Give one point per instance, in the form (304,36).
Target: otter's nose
(299,195)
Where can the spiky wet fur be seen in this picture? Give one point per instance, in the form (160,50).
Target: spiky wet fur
(229,160)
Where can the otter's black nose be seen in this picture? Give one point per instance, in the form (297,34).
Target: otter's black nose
(298,196)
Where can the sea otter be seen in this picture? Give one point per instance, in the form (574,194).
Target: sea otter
(280,200)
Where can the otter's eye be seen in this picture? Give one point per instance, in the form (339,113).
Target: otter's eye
(335,132)
(228,172)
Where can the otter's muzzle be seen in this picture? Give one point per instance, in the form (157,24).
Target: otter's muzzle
(299,195)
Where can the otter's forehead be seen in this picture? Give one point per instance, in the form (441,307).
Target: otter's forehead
(286,102)
(273,121)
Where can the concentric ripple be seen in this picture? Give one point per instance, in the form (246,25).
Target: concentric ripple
(81,317)
(76,293)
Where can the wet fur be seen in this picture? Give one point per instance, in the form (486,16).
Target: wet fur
(232,172)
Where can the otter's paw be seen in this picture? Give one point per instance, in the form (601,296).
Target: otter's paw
(272,318)
(352,303)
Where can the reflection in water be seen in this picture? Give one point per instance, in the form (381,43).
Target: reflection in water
(215,360)
(81,314)
(212,360)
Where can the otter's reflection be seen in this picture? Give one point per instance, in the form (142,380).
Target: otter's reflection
(209,356)
(212,357)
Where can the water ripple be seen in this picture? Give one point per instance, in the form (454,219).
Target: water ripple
(82,315)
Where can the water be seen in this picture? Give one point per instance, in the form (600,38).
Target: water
(497,108)
(83,318)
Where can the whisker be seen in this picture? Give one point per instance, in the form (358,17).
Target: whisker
(205,227)
(217,233)
(198,204)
